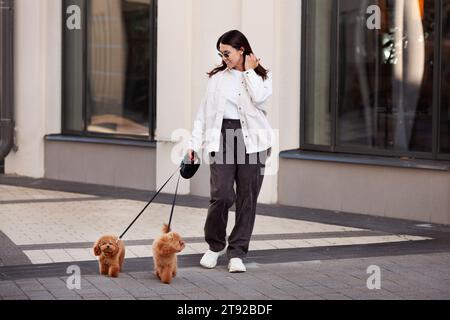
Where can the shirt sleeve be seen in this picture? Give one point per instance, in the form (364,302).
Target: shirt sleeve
(260,90)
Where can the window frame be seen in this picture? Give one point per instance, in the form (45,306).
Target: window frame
(334,93)
(153,13)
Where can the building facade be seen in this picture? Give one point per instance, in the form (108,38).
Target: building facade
(103,90)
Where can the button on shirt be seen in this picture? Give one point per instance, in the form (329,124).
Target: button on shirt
(233,96)
(250,106)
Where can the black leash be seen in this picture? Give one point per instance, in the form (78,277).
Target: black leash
(142,211)
(173,204)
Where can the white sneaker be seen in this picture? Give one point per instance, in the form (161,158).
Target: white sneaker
(236,265)
(209,259)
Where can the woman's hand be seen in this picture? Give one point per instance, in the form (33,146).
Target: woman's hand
(191,154)
(251,62)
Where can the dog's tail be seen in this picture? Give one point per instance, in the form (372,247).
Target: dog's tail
(165,228)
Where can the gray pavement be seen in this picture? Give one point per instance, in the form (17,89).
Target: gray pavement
(296,253)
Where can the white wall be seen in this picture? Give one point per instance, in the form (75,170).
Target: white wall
(37,83)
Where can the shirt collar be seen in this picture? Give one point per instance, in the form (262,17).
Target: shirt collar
(233,71)
(230,70)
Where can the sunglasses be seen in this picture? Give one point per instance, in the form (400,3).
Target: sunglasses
(226,54)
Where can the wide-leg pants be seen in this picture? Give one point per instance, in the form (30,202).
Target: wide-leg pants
(231,164)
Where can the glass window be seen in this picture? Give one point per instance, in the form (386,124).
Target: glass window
(386,76)
(370,84)
(445,82)
(108,68)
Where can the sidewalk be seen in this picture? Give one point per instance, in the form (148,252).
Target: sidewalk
(295,253)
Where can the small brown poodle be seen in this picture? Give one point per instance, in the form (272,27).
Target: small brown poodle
(112,253)
(164,254)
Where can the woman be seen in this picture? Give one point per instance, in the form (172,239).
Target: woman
(231,125)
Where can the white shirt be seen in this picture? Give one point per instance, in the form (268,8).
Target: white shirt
(252,98)
(231,105)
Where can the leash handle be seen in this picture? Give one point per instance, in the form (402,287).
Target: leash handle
(173,203)
(142,211)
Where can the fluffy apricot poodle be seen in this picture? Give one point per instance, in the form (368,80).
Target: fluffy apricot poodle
(112,253)
(165,249)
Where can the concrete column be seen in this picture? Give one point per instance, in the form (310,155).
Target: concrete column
(37,83)
(173,89)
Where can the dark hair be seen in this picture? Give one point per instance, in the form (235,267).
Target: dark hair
(237,40)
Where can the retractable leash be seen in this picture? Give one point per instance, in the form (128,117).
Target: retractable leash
(142,211)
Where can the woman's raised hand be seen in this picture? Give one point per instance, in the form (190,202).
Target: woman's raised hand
(251,62)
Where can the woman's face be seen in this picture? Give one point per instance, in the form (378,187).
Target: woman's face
(231,56)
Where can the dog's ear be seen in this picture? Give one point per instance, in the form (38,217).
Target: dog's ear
(165,248)
(161,245)
(96,248)
(116,248)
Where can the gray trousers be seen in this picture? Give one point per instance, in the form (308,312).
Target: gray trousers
(231,164)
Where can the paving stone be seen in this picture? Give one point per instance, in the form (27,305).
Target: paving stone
(229,295)
(127,282)
(88,291)
(174,297)
(95,297)
(291,289)
(10,289)
(320,289)
(53,283)
(28,285)
(141,292)
(308,297)
(336,284)
(62,293)
(117,294)
(199,296)
(22,297)
(69,298)
(40,295)
(334,296)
